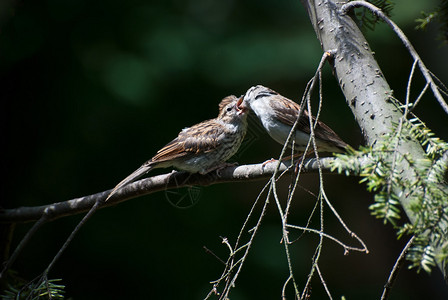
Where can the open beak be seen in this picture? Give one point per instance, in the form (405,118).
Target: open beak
(240,106)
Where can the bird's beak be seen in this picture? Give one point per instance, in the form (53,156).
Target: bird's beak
(240,106)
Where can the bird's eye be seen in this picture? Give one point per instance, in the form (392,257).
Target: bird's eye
(229,108)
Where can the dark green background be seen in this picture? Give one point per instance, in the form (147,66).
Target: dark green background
(91,89)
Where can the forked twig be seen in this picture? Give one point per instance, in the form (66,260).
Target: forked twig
(285,212)
(347,248)
(231,264)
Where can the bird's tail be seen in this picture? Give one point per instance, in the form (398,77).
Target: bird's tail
(145,168)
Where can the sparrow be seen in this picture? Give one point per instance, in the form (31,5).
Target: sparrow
(201,148)
(278,115)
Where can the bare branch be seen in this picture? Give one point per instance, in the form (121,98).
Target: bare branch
(143,187)
(154,184)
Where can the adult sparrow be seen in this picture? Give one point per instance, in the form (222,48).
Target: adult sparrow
(201,148)
(278,114)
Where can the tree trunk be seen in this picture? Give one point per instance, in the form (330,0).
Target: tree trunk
(365,89)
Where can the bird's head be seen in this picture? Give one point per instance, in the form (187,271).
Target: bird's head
(254,94)
(230,111)
(227,100)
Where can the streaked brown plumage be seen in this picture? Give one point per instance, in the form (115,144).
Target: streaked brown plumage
(201,148)
(227,100)
(278,114)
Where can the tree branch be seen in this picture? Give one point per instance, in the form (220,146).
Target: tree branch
(154,184)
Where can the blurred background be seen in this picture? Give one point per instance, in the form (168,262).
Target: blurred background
(92,89)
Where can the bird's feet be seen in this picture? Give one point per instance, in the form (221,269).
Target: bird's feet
(268,162)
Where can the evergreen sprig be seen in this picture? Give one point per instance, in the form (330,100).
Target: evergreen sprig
(439,15)
(377,167)
(48,289)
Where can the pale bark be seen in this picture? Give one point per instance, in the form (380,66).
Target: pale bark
(151,185)
(363,84)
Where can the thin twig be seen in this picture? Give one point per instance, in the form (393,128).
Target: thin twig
(285,284)
(341,221)
(375,10)
(316,256)
(308,91)
(408,89)
(230,264)
(213,254)
(318,251)
(241,263)
(23,242)
(330,237)
(393,274)
(323,282)
(420,96)
(43,278)
(284,214)
(285,239)
(72,235)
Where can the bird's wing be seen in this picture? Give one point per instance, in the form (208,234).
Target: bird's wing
(287,111)
(200,138)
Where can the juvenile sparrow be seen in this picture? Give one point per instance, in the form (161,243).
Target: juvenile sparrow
(278,114)
(201,148)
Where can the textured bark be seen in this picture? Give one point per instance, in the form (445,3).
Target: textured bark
(154,184)
(366,90)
